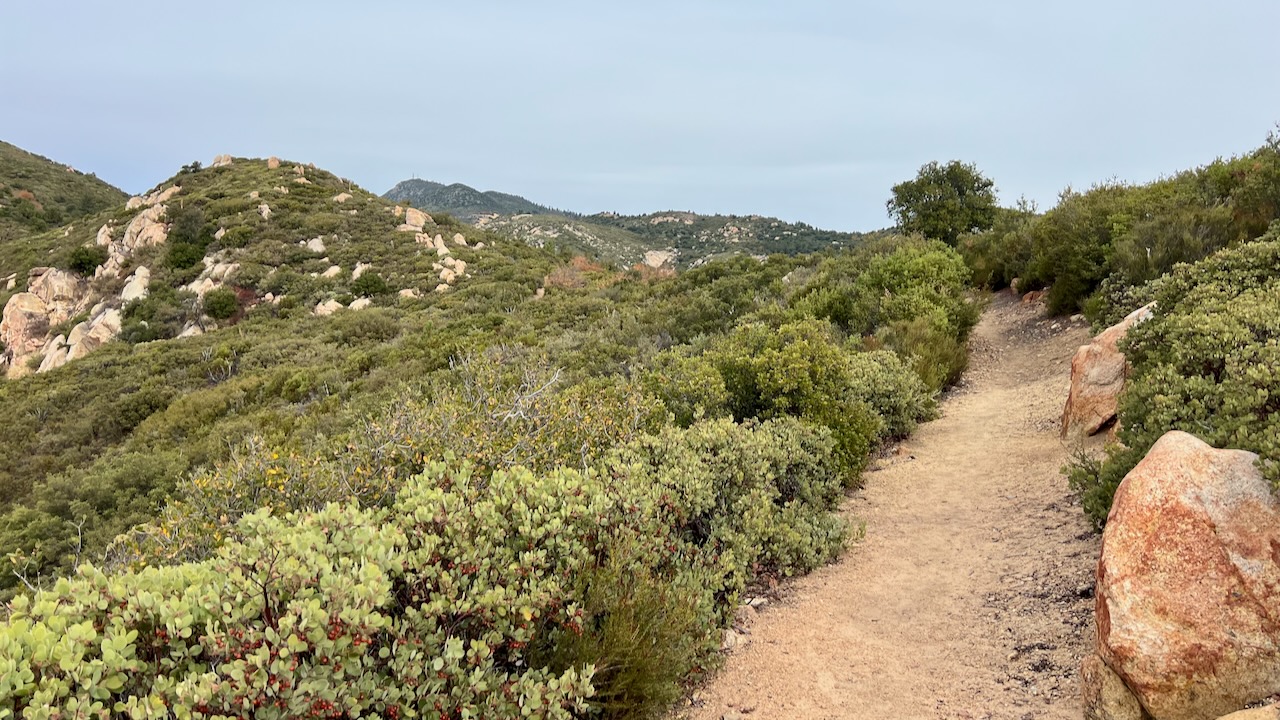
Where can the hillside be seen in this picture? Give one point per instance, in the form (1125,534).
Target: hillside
(434,441)
(675,239)
(461,201)
(662,239)
(37,193)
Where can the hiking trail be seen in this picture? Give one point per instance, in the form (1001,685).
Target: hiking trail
(971,595)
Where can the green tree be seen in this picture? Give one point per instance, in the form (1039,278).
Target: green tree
(945,202)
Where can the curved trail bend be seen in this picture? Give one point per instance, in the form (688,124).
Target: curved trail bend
(971,596)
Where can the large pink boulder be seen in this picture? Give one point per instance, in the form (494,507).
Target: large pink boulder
(24,327)
(1188,594)
(1098,372)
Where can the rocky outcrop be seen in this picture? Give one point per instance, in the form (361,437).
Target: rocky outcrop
(23,329)
(273,163)
(156,198)
(328,307)
(221,161)
(265,211)
(215,275)
(53,297)
(135,288)
(65,294)
(101,327)
(414,219)
(360,303)
(316,245)
(342,197)
(147,228)
(1098,372)
(659,258)
(55,354)
(361,268)
(1188,584)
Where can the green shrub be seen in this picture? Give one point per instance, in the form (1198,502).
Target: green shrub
(85,259)
(221,303)
(505,595)
(935,354)
(1117,236)
(370,284)
(688,385)
(798,370)
(342,612)
(898,395)
(374,325)
(761,492)
(183,255)
(1205,363)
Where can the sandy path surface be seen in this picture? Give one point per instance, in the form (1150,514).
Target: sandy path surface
(971,594)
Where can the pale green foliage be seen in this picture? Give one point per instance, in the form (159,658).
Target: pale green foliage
(497,410)
(798,370)
(443,601)
(760,493)
(898,395)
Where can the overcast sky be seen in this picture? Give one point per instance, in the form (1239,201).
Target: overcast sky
(804,110)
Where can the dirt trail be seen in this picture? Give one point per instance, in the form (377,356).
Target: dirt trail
(971,596)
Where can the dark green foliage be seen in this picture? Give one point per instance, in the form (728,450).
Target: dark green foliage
(221,303)
(160,315)
(370,284)
(86,259)
(188,237)
(944,202)
(1118,236)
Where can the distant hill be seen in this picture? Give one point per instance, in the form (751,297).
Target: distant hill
(461,201)
(674,239)
(678,239)
(37,193)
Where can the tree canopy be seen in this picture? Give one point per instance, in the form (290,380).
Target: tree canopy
(944,202)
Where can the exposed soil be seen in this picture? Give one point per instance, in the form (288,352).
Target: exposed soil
(971,595)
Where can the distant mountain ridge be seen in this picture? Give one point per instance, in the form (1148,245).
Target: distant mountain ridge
(677,239)
(462,201)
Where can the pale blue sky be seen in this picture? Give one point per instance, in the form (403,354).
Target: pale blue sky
(805,110)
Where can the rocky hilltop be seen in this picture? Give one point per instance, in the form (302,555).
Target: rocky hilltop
(260,231)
